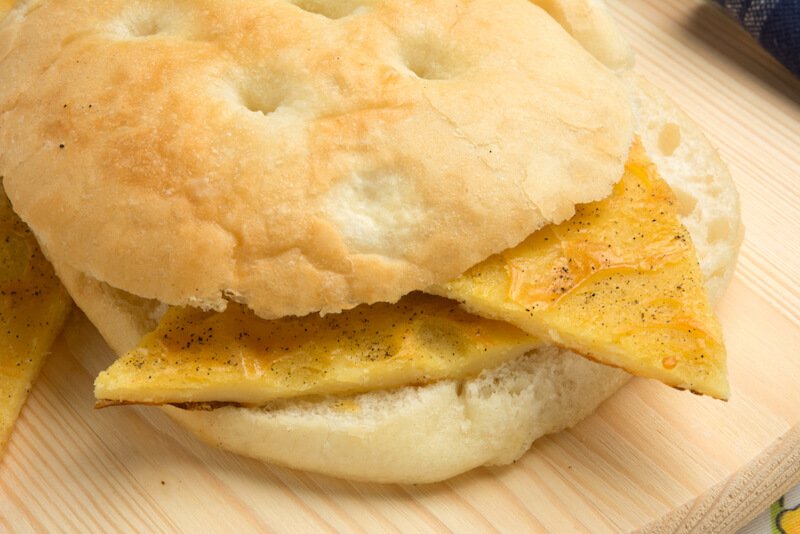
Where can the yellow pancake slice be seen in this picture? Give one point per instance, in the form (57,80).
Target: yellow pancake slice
(234,356)
(33,307)
(619,283)
(5,5)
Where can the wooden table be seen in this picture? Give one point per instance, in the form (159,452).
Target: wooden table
(650,456)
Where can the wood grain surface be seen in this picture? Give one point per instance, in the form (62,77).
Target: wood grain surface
(650,457)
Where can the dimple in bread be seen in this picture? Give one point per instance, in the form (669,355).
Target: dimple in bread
(298,156)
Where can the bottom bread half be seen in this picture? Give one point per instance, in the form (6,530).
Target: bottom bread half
(417,434)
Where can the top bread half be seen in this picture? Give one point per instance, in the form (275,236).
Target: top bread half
(298,156)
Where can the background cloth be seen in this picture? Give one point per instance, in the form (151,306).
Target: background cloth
(773,23)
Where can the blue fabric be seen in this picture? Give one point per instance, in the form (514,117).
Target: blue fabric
(775,24)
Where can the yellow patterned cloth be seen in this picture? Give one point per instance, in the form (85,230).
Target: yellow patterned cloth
(783,517)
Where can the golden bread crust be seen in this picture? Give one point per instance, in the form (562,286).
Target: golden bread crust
(199,151)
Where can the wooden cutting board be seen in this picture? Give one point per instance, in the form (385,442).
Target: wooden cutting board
(650,456)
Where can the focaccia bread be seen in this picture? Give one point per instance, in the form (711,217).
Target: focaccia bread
(238,152)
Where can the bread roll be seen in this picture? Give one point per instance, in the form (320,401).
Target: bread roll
(425,434)
(194,152)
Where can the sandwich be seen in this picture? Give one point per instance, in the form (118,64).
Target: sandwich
(381,240)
